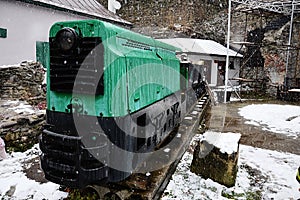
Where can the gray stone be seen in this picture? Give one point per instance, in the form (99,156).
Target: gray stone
(22,82)
(19,85)
(7,124)
(211,161)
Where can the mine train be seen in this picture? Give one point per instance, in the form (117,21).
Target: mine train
(110,91)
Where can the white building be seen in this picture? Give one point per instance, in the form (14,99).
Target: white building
(211,56)
(25,24)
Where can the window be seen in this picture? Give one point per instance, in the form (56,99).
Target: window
(3,33)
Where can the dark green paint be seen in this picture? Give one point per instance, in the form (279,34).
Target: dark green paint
(3,33)
(42,53)
(138,70)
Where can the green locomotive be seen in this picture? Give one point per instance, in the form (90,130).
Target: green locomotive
(111,94)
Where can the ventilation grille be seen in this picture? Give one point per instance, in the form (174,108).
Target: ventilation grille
(79,70)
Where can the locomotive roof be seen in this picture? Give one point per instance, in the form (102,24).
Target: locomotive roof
(135,38)
(89,8)
(142,38)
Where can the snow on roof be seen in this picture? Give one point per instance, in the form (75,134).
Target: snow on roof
(208,47)
(90,8)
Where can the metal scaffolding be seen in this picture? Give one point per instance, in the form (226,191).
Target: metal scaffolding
(283,7)
(286,7)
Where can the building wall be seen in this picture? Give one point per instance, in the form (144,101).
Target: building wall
(26,24)
(211,69)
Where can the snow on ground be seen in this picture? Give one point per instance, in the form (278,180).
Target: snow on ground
(262,174)
(15,185)
(284,119)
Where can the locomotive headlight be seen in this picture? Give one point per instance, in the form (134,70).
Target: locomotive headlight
(67,39)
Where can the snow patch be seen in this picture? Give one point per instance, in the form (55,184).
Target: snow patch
(279,170)
(23,108)
(283,119)
(226,142)
(194,113)
(15,181)
(8,66)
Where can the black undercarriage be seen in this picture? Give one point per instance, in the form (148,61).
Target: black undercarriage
(79,150)
(81,154)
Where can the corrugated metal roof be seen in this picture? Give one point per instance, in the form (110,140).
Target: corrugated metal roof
(91,8)
(208,47)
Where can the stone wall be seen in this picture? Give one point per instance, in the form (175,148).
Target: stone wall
(22,82)
(266,58)
(22,104)
(20,124)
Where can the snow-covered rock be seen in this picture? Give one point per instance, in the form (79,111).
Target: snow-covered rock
(216,157)
(2,150)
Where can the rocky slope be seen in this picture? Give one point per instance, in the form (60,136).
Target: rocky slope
(267,32)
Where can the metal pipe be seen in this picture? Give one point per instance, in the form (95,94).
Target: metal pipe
(227,56)
(289,44)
